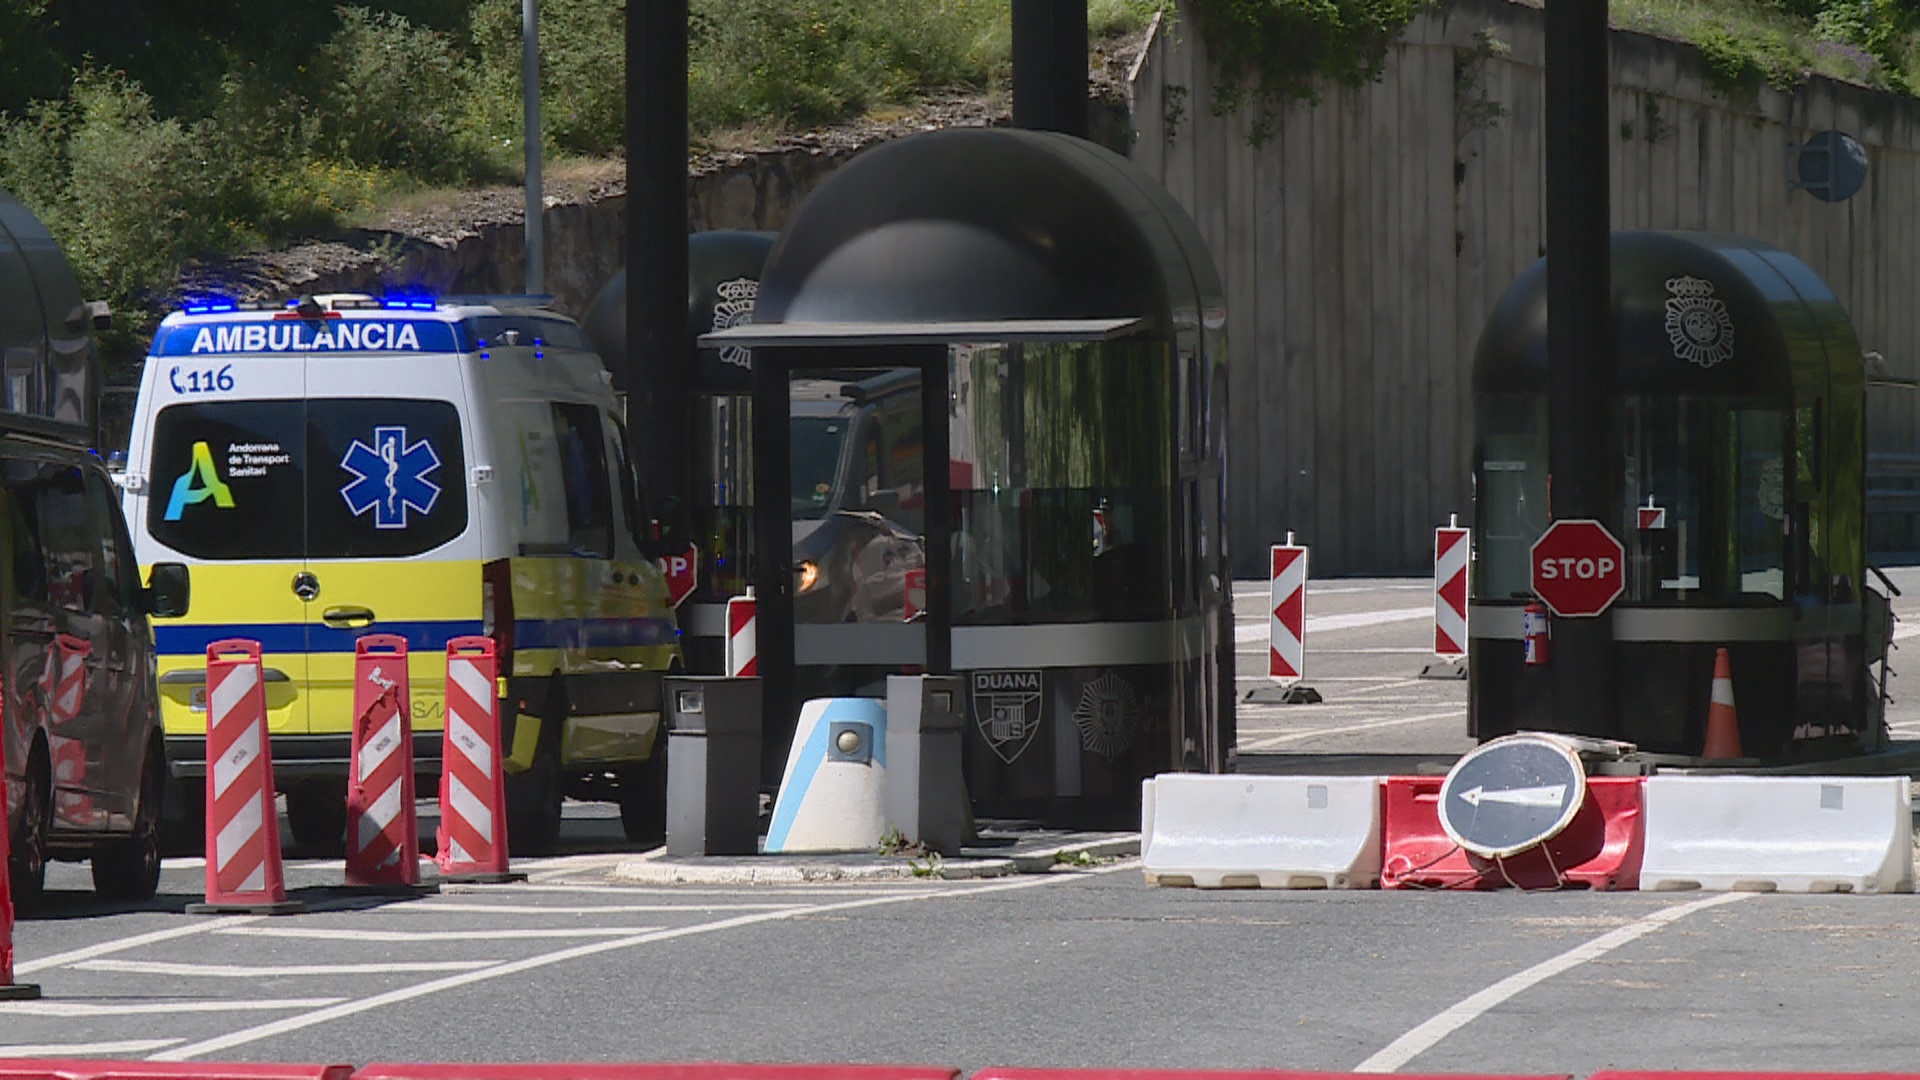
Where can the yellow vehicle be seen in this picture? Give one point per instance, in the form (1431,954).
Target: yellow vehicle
(432,469)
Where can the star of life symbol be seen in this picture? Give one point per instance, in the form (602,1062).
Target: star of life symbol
(734,308)
(389,477)
(1697,322)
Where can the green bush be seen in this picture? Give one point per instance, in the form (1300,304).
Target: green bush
(1268,52)
(397,96)
(583,56)
(785,62)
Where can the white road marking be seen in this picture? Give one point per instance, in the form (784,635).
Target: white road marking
(578,952)
(1320,624)
(134,942)
(1422,1038)
(435,906)
(249,971)
(63,1050)
(1271,741)
(315,933)
(1906,630)
(159,1008)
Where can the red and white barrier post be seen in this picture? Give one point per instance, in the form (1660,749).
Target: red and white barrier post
(243,825)
(1452,551)
(9,990)
(1287,628)
(473,796)
(383,833)
(743,650)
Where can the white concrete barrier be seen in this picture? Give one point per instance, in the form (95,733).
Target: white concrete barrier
(1270,832)
(1778,833)
(830,795)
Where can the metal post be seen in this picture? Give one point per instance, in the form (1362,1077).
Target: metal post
(530,94)
(1580,339)
(1050,65)
(656,373)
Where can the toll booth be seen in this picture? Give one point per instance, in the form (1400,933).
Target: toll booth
(989,439)
(1737,412)
(49,369)
(723,279)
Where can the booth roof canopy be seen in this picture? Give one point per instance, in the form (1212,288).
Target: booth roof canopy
(1694,313)
(975,226)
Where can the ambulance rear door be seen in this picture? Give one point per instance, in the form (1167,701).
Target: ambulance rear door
(223,446)
(392,547)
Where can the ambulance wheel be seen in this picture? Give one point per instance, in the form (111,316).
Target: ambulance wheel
(27,857)
(129,868)
(643,798)
(533,805)
(317,817)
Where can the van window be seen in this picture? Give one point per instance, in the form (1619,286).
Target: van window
(23,538)
(66,530)
(388,477)
(118,581)
(583,471)
(328,479)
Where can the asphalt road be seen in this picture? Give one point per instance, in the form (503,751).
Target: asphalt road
(1074,967)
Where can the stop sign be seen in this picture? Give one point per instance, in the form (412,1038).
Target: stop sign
(682,572)
(1578,568)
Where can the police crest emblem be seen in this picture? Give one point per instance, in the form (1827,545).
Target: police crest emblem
(733,306)
(1007,708)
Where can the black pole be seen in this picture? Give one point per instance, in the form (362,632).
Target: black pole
(1050,65)
(1580,341)
(657,371)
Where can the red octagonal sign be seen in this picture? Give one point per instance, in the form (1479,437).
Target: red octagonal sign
(1578,567)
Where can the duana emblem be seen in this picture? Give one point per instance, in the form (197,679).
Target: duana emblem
(1006,707)
(1697,322)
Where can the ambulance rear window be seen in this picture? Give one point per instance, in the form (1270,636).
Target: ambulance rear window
(324,479)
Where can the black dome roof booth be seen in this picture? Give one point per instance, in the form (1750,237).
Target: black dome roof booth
(1039,315)
(1737,408)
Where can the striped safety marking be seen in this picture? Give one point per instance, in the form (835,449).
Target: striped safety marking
(1451,548)
(471,790)
(1287,628)
(382,830)
(245,867)
(743,646)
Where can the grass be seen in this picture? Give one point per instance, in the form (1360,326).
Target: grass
(1746,43)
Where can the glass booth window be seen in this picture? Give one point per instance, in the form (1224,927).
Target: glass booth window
(1062,470)
(1706,494)
(1512,499)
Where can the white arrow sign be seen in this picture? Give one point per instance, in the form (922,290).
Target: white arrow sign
(1554,795)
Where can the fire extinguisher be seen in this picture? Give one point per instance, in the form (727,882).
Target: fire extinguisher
(1533,631)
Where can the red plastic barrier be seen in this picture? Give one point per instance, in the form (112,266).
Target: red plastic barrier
(1227,1074)
(1600,849)
(637,1071)
(80,1069)
(9,990)
(243,828)
(1656,1074)
(473,797)
(383,835)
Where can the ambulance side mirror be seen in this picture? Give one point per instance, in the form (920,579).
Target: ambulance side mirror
(168,591)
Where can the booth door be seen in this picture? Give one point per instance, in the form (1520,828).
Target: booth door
(858,492)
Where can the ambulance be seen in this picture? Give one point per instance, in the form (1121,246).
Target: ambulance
(432,468)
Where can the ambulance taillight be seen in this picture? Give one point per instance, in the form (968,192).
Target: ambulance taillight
(496,609)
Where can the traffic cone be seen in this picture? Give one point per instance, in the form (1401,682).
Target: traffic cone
(1723,728)
(9,990)
(383,833)
(243,827)
(472,837)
